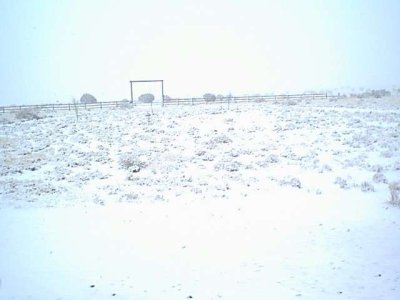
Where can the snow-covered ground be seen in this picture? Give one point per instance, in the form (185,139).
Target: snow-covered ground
(254,201)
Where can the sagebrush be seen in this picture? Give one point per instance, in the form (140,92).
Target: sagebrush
(27,114)
(394,189)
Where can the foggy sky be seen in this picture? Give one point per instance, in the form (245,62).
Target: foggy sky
(55,50)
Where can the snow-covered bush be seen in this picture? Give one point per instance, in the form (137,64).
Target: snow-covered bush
(291,181)
(394,188)
(208,97)
(205,155)
(374,93)
(367,187)
(7,118)
(131,163)
(230,166)
(27,114)
(379,178)
(221,139)
(129,197)
(146,98)
(270,159)
(220,97)
(167,98)
(342,183)
(124,103)
(215,141)
(88,99)
(324,168)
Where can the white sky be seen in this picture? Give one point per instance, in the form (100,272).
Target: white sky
(55,50)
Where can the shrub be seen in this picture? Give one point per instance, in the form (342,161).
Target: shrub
(379,178)
(146,98)
(124,103)
(373,94)
(131,163)
(215,141)
(208,97)
(272,158)
(205,156)
(367,187)
(394,189)
(291,181)
(380,93)
(342,183)
(229,166)
(27,114)
(88,99)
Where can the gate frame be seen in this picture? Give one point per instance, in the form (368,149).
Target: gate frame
(155,80)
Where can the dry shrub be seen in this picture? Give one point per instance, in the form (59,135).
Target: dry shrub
(230,166)
(291,181)
(88,99)
(394,188)
(27,114)
(131,163)
(367,187)
(208,97)
(379,178)
(124,103)
(291,102)
(146,98)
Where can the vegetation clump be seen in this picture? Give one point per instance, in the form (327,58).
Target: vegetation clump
(208,97)
(146,98)
(88,99)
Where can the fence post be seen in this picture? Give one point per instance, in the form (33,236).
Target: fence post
(101,105)
(69,106)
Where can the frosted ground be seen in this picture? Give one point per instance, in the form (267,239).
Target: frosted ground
(254,201)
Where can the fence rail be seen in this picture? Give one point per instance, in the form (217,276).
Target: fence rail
(169,102)
(65,106)
(232,99)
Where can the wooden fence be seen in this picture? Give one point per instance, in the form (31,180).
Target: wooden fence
(241,99)
(66,106)
(167,102)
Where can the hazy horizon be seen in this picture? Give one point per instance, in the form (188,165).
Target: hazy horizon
(55,50)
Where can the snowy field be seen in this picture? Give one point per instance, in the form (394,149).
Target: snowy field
(254,201)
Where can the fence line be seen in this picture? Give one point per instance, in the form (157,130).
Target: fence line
(169,102)
(241,99)
(65,106)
